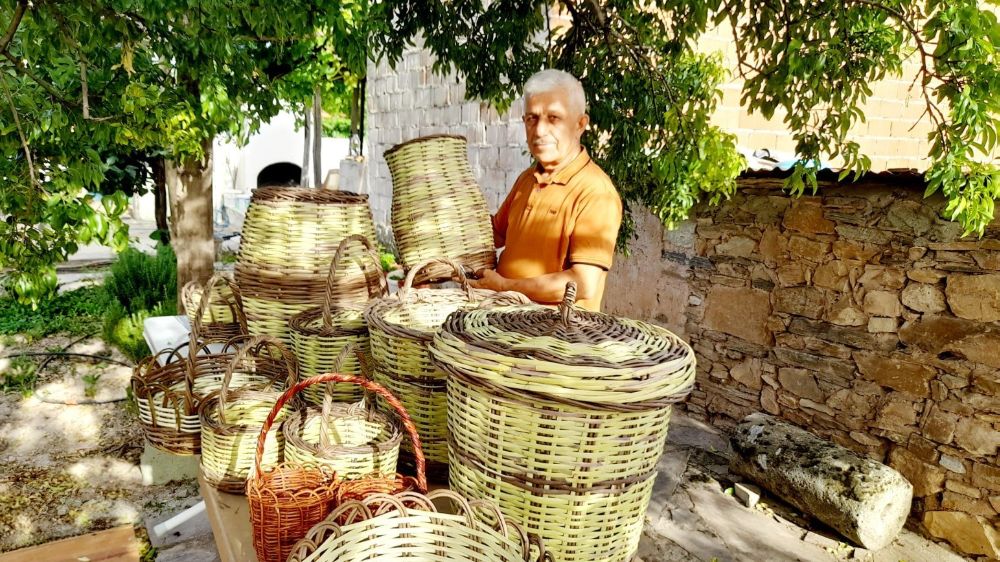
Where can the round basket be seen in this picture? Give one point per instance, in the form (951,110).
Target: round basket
(320,334)
(438,210)
(560,416)
(410,526)
(287,500)
(287,238)
(231,419)
(218,317)
(401,327)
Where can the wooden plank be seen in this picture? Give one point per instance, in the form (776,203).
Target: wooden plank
(230,519)
(114,545)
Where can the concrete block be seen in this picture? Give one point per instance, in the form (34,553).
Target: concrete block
(158,467)
(748,494)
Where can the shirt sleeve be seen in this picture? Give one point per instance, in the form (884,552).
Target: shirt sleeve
(501,218)
(596,228)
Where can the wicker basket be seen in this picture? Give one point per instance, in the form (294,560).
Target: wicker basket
(231,419)
(560,418)
(438,210)
(401,327)
(218,317)
(320,334)
(410,526)
(287,500)
(287,239)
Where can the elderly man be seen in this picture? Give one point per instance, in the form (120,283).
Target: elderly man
(560,220)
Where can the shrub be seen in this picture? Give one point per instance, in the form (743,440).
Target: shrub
(140,281)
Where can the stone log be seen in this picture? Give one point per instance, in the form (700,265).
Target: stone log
(864,500)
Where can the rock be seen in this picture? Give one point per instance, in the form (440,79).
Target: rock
(769,401)
(846,400)
(925,275)
(800,383)
(914,253)
(975,297)
(951,463)
(978,348)
(811,250)
(964,489)
(800,301)
(896,374)
(908,216)
(859,339)
(738,246)
(896,415)
(995,502)
(882,303)
(985,476)
(747,493)
(940,426)
(739,312)
(827,366)
(806,215)
(791,274)
(967,533)
(773,245)
(926,478)
(977,436)
(845,313)
(881,277)
(933,333)
(987,260)
(864,500)
(748,373)
(875,236)
(832,275)
(882,325)
(924,298)
(847,250)
(820,540)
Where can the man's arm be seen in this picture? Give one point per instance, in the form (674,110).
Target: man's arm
(548,288)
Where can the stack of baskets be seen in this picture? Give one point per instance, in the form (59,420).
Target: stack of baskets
(287,238)
(437,208)
(401,327)
(560,417)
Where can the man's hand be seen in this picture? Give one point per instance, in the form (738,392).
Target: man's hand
(488,279)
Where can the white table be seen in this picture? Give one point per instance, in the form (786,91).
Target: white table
(167,332)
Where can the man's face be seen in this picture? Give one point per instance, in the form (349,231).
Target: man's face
(553,127)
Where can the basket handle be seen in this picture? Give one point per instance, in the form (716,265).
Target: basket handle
(566,306)
(338,363)
(418,452)
(459,270)
(206,298)
(253,348)
(372,255)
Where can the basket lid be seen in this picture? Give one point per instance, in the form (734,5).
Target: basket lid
(568,353)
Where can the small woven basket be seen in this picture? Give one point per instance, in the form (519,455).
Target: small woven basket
(400,328)
(287,238)
(219,316)
(576,407)
(410,526)
(231,419)
(320,334)
(287,500)
(438,210)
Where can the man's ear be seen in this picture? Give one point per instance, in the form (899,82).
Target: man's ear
(584,121)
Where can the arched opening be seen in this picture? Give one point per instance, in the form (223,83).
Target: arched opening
(282,173)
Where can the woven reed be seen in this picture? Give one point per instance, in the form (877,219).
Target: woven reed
(287,500)
(231,419)
(409,526)
(220,316)
(438,210)
(319,334)
(560,416)
(287,238)
(400,328)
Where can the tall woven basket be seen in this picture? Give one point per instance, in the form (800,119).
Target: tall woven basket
(214,309)
(231,418)
(437,208)
(288,236)
(401,327)
(576,407)
(410,526)
(320,334)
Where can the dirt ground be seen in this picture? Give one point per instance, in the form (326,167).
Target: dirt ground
(69,463)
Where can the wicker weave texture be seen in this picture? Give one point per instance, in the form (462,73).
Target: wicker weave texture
(220,316)
(409,526)
(437,207)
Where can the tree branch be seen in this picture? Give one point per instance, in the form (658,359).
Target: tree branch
(22,6)
(20,132)
(83,85)
(45,85)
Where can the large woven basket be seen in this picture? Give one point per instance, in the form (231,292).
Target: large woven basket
(410,526)
(287,239)
(320,334)
(231,419)
(438,210)
(219,316)
(560,417)
(401,327)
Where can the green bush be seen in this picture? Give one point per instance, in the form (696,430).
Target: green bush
(75,313)
(140,281)
(124,330)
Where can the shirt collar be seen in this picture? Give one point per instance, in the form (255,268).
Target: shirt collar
(562,176)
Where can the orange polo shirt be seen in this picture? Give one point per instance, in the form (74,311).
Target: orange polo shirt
(547,224)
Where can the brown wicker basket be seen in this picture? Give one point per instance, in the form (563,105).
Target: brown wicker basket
(438,210)
(215,309)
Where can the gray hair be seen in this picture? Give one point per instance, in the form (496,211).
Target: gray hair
(550,80)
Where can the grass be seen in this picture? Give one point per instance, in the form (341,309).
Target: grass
(20,376)
(74,313)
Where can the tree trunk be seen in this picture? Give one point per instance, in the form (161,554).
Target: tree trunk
(305,175)
(160,199)
(189,185)
(317,139)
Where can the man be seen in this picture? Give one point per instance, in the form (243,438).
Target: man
(561,218)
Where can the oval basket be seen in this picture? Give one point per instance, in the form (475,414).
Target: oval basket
(218,317)
(438,210)
(577,406)
(401,327)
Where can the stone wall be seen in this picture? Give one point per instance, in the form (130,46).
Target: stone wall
(858,314)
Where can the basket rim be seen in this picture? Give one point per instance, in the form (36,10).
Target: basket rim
(422,139)
(300,418)
(295,194)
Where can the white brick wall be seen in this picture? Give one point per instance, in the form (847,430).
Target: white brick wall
(411,102)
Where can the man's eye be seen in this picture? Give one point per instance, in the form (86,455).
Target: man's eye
(554,119)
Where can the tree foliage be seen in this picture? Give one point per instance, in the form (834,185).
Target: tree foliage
(652,92)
